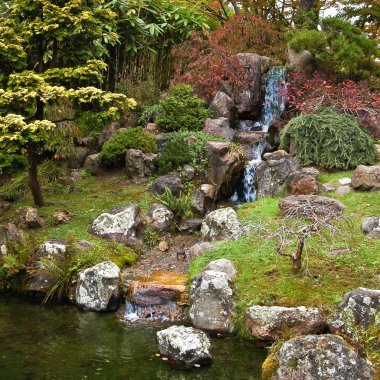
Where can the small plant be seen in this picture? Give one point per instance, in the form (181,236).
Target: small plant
(113,151)
(49,172)
(151,237)
(179,205)
(150,113)
(181,109)
(16,188)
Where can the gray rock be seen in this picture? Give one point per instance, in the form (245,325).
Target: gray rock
(222,224)
(184,345)
(371,226)
(138,165)
(29,218)
(90,143)
(191,225)
(223,106)
(321,357)
(189,172)
(66,180)
(366,178)
(269,323)
(198,249)
(223,265)
(212,302)
(203,199)
(159,217)
(344,181)
(98,287)
(302,62)
(76,160)
(108,132)
(219,127)
(343,190)
(92,164)
(327,188)
(121,224)
(172,181)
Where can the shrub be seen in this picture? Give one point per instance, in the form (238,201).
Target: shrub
(150,114)
(133,138)
(11,162)
(182,110)
(329,139)
(179,205)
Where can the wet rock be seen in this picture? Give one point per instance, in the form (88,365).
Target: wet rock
(92,164)
(62,217)
(198,249)
(366,178)
(321,357)
(219,127)
(212,302)
(309,205)
(222,224)
(223,265)
(223,106)
(159,217)
(29,218)
(172,181)
(108,132)
(371,226)
(76,160)
(359,307)
(138,165)
(303,182)
(121,224)
(203,199)
(273,172)
(268,323)
(184,345)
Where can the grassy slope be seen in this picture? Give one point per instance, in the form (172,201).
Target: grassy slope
(266,278)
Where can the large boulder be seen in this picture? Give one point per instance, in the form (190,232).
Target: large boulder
(359,307)
(212,302)
(159,217)
(219,127)
(222,224)
(184,345)
(303,182)
(366,178)
(121,224)
(303,62)
(321,357)
(310,205)
(29,218)
(108,132)
(272,173)
(268,323)
(172,181)
(223,106)
(371,226)
(138,165)
(98,287)
(76,159)
(92,164)
(203,199)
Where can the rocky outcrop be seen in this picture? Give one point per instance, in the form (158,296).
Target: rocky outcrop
(222,224)
(223,106)
(98,287)
(203,199)
(29,218)
(138,165)
(321,357)
(273,172)
(269,323)
(366,178)
(184,345)
(219,127)
(309,205)
(360,307)
(92,164)
(223,265)
(303,182)
(76,160)
(159,217)
(212,302)
(121,224)
(198,249)
(172,181)
(371,226)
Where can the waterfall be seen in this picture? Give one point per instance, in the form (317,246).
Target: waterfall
(163,313)
(273,106)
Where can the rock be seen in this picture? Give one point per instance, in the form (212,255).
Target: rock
(62,217)
(138,165)
(273,172)
(121,224)
(92,164)
(76,160)
(212,302)
(377,148)
(29,218)
(151,128)
(108,132)
(219,127)
(302,62)
(189,172)
(198,249)
(163,246)
(343,190)
(321,357)
(327,188)
(223,265)
(309,205)
(269,323)
(203,199)
(344,181)
(222,106)
(77,175)
(359,307)
(191,225)
(13,234)
(66,180)
(90,143)
(303,182)
(222,224)
(4,207)
(159,217)
(172,181)
(98,287)
(371,226)
(184,345)
(366,178)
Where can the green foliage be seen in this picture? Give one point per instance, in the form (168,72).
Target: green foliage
(49,171)
(92,123)
(179,205)
(150,114)
(11,162)
(329,139)
(133,138)
(16,188)
(151,237)
(182,110)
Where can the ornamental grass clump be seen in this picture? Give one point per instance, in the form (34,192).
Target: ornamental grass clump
(328,139)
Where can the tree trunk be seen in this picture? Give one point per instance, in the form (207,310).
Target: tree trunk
(34,184)
(297,257)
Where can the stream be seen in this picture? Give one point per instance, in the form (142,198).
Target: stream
(62,342)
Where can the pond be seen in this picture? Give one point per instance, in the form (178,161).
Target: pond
(62,342)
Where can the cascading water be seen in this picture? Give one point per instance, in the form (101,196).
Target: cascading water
(274,105)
